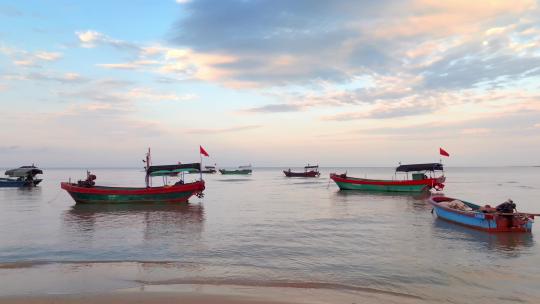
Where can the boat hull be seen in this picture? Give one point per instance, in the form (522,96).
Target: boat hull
(10,183)
(301,174)
(351,183)
(168,194)
(490,222)
(235,172)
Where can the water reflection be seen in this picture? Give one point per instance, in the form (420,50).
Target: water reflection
(154,219)
(419,196)
(25,193)
(509,243)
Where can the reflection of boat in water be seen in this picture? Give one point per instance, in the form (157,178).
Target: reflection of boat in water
(87,192)
(153,217)
(419,196)
(507,242)
(471,215)
(309,171)
(24,176)
(420,180)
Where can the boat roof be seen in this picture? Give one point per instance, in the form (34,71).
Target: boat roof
(420,167)
(163,170)
(311,167)
(23,171)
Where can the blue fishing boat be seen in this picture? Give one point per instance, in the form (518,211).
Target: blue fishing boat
(481,217)
(24,176)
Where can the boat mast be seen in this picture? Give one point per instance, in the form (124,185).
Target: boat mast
(200,165)
(148,163)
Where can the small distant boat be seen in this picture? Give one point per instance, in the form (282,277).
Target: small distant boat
(209,169)
(24,176)
(309,171)
(242,170)
(87,192)
(420,180)
(470,215)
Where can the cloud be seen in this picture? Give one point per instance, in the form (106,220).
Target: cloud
(91,39)
(147,94)
(29,59)
(48,56)
(348,37)
(223,130)
(386,111)
(62,78)
(276,108)
(129,65)
(110,92)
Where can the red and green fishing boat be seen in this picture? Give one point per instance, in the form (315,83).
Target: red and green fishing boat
(87,192)
(424,178)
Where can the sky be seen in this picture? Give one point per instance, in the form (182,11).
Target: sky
(269,82)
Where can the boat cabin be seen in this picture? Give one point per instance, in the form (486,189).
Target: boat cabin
(309,167)
(166,171)
(421,171)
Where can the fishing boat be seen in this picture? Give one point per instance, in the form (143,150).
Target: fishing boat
(309,171)
(87,192)
(474,216)
(24,176)
(242,170)
(209,169)
(424,177)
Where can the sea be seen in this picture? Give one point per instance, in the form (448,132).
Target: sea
(269,230)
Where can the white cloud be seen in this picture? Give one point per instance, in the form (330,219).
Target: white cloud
(183,1)
(48,56)
(91,39)
(147,94)
(25,58)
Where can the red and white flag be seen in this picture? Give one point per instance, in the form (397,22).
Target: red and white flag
(203,151)
(443,152)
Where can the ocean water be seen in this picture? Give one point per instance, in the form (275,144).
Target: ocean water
(269,230)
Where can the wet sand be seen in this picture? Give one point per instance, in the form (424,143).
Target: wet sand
(206,294)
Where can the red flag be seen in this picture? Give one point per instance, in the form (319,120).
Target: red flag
(203,151)
(443,152)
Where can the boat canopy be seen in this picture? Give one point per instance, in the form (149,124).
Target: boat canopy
(24,171)
(420,167)
(166,170)
(311,167)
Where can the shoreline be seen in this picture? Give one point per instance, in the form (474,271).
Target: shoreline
(211,293)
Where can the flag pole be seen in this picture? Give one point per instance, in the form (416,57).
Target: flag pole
(200,165)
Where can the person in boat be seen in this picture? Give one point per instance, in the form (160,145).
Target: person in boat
(88,182)
(506,207)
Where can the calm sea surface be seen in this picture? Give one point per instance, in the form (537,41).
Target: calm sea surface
(270,230)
